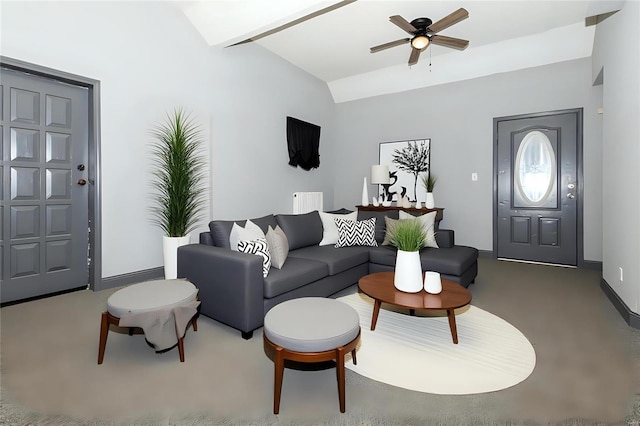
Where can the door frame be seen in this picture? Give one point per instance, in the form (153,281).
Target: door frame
(95,194)
(579,176)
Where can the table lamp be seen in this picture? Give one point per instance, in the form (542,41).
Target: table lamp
(380,176)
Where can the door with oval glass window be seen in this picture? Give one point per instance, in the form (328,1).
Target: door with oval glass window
(538,189)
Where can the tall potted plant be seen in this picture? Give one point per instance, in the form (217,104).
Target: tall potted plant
(178,189)
(429,182)
(408,236)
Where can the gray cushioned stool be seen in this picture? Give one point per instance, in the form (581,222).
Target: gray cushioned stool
(311,329)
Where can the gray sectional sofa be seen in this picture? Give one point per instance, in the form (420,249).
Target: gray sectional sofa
(232,287)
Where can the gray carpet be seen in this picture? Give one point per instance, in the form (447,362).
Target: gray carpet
(587,371)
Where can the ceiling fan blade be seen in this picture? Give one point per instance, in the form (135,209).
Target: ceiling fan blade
(295,22)
(403,23)
(453,18)
(413,58)
(375,49)
(455,43)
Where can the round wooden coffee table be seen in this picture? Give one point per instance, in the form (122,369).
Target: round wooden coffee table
(379,286)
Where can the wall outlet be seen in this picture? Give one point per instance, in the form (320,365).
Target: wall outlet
(621,274)
(474,177)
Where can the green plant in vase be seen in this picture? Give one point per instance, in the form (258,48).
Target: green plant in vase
(429,182)
(177,180)
(408,236)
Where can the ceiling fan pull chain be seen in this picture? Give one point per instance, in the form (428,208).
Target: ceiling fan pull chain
(430,60)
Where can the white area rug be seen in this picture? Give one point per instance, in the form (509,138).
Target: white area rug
(417,352)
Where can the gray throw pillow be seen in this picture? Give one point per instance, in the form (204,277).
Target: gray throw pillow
(278,246)
(389,225)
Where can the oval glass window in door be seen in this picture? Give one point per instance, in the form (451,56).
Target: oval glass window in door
(535,168)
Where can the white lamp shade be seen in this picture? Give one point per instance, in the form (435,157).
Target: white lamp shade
(379,174)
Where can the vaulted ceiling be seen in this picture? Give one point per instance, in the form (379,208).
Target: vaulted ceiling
(334,46)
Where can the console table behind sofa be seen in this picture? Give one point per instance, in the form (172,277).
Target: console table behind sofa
(370,208)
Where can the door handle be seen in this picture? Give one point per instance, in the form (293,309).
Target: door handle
(570,196)
(82,182)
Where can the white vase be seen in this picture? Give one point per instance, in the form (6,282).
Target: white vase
(418,205)
(365,193)
(429,203)
(408,272)
(170,254)
(432,282)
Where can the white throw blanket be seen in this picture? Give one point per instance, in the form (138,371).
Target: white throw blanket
(162,327)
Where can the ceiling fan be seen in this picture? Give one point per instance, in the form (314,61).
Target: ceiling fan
(424,32)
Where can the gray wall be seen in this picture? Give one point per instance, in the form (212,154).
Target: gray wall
(617,52)
(458,117)
(254,92)
(149,59)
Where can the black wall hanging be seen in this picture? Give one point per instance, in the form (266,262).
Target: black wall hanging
(303,141)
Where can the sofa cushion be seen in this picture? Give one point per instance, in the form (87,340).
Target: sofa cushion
(296,272)
(278,246)
(302,230)
(380,225)
(329,227)
(337,259)
(383,255)
(221,229)
(356,232)
(260,248)
(450,261)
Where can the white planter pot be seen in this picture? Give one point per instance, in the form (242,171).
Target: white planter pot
(408,272)
(429,203)
(432,282)
(170,253)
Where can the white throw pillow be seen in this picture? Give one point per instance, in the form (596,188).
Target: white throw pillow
(329,227)
(278,246)
(260,248)
(251,231)
(428,225)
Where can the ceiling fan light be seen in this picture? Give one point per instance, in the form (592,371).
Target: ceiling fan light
(420,42)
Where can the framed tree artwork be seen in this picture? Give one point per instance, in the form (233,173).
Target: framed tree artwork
(408,161)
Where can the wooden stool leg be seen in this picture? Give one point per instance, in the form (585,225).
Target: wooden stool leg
(194,322)
(277,382)
(341,374)
(353,356)
(104,330)
(181,348)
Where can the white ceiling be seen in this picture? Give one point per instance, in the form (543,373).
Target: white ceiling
(334,47)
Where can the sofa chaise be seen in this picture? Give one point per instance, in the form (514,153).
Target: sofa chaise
(234,290)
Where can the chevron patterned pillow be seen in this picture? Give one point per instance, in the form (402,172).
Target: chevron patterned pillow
(356,232)
(258,247)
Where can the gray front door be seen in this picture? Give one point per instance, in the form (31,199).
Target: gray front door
(538,188)
(44,210)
